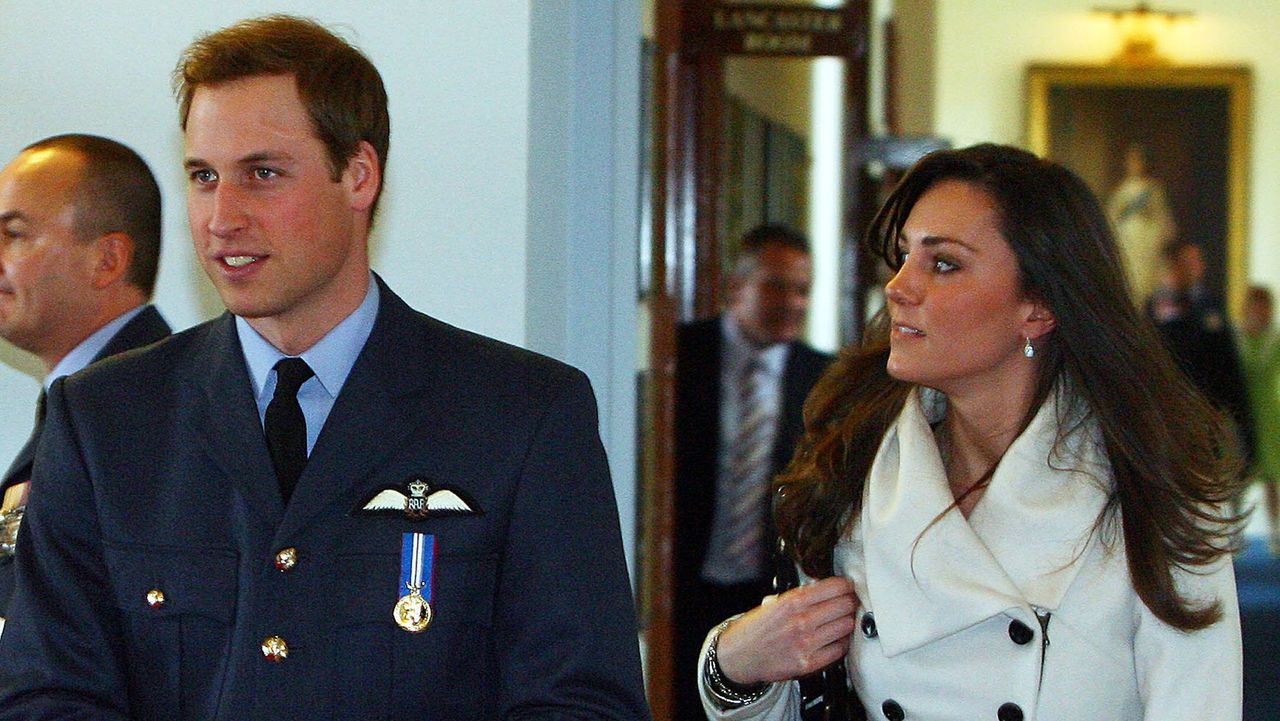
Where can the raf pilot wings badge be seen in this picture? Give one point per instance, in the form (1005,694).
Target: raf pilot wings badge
(416,499)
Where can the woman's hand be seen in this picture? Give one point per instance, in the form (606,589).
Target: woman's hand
(791,635)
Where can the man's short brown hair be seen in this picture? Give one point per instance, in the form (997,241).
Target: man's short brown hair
(340,88)
(116,193)
(754,242)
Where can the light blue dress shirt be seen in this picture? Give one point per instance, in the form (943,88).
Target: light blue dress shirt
(332,358)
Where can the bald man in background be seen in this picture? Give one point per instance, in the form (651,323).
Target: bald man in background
(79,249)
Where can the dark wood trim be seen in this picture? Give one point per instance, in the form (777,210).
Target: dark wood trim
(657,531)
(709,108)
(857,203)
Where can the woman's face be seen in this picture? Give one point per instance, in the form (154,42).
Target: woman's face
(957,310)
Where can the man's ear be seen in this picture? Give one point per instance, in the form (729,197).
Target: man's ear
(111,257)
(363,176)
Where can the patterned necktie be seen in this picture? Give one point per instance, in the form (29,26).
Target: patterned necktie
(749,472)
(285,426)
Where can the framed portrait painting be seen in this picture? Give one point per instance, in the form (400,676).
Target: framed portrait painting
(1165,148)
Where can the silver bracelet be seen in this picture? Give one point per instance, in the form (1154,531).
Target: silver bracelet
(726,694)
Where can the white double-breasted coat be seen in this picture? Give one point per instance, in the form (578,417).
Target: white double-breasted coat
(1024,611)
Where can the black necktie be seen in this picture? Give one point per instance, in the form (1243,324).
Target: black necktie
(29,449)
(285,425)
(40,402)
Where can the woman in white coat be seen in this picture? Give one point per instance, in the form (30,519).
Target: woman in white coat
(1024,503)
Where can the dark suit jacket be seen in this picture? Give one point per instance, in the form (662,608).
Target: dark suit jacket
(144,328)
(174,491)
(1200,340)
(698,438)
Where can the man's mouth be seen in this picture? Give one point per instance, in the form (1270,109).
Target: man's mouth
(240,261)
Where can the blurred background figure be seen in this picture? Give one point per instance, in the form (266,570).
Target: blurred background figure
(1192,321)
(1139,211)
(79,250)
(1260,355)
(741,380)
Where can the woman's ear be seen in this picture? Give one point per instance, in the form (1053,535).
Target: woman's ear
(1039,320)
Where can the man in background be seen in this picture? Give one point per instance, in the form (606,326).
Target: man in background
(344,509)
(79,248)
(1192,320)
(741,380)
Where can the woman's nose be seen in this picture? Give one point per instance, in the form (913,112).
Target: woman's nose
(902,288)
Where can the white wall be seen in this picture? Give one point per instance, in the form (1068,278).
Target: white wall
(453,237)
(583,229)
(985,45)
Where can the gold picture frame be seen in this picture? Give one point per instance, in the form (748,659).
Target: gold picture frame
(1191,122)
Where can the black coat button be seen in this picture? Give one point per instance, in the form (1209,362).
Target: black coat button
(869,626)
(1020,632)
(893,711)
(1009,712)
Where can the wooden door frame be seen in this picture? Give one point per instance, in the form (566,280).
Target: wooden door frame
(687,108)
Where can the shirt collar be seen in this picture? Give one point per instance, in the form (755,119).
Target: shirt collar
(89,348)
(332,357)
(739,351)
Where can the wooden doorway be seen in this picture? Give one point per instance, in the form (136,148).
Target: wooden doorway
(688,228)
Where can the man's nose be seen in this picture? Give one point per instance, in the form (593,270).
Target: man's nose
(227,214)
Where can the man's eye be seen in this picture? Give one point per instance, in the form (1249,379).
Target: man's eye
(264,173)
(203,175)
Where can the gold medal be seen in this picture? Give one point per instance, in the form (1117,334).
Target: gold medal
(412,612)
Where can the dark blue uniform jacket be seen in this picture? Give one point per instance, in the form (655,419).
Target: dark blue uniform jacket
(154,476)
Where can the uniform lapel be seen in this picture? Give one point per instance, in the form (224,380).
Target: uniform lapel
(225,423)
(930,574)
(20,470)
(379,405)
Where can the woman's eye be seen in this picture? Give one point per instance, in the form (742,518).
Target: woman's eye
(942,265)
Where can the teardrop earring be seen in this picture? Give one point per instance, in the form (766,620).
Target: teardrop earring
(1028,350)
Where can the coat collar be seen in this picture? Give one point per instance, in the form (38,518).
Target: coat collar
(1020,547)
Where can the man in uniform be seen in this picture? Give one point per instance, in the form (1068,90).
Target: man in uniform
(741,380)
(79,248)
(237,540)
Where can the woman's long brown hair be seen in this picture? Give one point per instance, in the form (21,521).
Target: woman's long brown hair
(1173,455)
